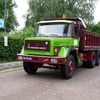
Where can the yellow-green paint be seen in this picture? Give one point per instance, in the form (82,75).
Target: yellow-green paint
(64,43)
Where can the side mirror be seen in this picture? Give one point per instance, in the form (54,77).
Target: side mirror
(81,32)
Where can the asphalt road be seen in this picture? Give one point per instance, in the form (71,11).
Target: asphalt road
(49,85)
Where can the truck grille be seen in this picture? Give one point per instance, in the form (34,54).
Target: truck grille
(37,45)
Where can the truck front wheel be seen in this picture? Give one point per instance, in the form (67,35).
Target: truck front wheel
(29,67)
(67,69)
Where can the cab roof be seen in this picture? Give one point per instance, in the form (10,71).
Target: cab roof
(55,21)
(75,19)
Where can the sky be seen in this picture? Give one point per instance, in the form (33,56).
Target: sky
(96,13)
(23,7)
(20,11)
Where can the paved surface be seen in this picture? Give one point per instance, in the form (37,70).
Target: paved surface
(10,65)
(49,85)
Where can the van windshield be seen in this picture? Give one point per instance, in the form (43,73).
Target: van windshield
(57,29)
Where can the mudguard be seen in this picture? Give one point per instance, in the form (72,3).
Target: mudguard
(65,52)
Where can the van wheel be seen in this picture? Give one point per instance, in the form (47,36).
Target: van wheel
(67,69)
(91,63)
(97,58)
(29,67)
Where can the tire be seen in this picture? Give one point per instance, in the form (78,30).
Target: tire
(29,68)
(97,58)
(91,63)
(67,69)
(84,64)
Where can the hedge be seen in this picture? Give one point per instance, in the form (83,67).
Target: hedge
(15,43)
(14,47)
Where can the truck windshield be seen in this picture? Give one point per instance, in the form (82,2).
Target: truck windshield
(54,29)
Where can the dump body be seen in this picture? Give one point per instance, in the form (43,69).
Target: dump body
(89,41)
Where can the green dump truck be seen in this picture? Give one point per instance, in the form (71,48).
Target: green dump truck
(61,43)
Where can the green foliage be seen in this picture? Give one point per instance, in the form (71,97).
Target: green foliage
(41,9)
(25,32)
(94,28)
(11,21)
(15,43)
(14,47)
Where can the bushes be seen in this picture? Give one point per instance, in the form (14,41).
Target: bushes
(15,43)
(1,47)
(94,28)
(14,46)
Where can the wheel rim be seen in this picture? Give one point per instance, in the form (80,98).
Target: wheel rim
(71,66)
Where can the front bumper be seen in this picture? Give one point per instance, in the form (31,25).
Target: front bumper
(41,59)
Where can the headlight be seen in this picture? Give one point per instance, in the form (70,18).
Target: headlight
(53,60)
(20,57)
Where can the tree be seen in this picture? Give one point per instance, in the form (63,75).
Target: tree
(11,21)
(94,28)
(41,9)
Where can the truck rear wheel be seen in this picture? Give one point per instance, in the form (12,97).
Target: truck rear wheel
(67,69)
(84,64)
(97,58)
(91,63)
(29,68)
